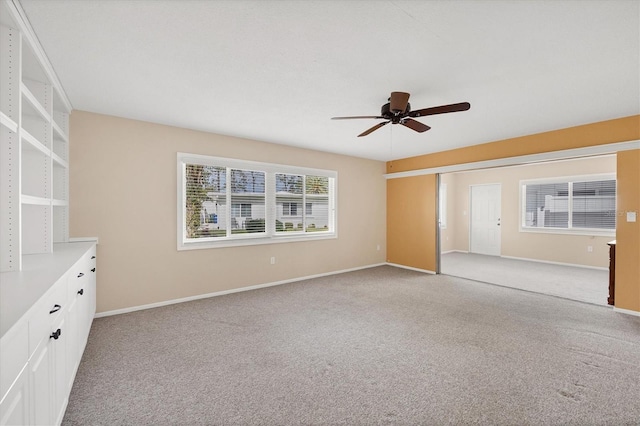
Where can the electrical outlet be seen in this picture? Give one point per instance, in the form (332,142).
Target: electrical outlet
(273,260)
(378,247)
(590,249)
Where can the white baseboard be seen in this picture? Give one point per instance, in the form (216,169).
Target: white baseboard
(626,311)
(426,271)
(222,293)
(454,251)
(600,268)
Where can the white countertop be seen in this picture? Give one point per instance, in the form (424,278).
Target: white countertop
(21,290)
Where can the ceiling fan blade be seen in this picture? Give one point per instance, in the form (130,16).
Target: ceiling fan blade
(374,128)
(356,117)
(398,101)
(462,106)
(415,125)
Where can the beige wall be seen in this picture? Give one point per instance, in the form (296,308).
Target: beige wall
(123,190)
(561,248)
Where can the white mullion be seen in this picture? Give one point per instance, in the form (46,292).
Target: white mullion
(304,203)
(570,205)
(333,199)
(270,203)
(228,208)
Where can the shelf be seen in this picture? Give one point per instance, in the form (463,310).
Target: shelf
(33,143)
(59,203)
(59,133)
(34,201)
(35,104)
(34,124)
(8,122)
(61,105)
(58,161)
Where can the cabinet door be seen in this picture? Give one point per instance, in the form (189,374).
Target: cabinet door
(59,376)
(72,341)
(48,378)
(40,379)
(14,409)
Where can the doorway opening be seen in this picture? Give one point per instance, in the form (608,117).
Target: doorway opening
(493,228)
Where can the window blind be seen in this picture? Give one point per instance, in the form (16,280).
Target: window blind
(572,205)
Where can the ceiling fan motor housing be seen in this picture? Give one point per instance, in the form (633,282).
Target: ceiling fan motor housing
(394,116)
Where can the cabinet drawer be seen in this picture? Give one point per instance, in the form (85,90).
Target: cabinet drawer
(82,272)
(78,276)
(14,352)
(46,313)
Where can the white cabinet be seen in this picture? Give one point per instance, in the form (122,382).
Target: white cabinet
(46,312)
(34,145)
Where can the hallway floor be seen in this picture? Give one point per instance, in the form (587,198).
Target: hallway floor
(570,282)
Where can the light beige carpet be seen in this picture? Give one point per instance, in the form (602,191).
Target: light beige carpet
(377,346)
(583,284)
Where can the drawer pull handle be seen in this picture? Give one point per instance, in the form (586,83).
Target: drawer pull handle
(93,270)
(55,335)
(56,308)
(80,275)
(81,291)
(93,257)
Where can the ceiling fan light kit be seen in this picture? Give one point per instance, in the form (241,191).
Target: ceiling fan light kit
(398,111)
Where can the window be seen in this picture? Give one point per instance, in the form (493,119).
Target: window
(578,204)
(289,209)
(240,210)
(227,202)
(442,200)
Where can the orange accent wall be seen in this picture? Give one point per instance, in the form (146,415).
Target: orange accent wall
(411,215)
(601,133)
(411,224)
(627,295)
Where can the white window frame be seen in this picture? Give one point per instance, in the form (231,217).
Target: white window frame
(569,180)
(270,236)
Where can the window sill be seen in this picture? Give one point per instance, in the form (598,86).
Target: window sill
(589,232)
(261,240)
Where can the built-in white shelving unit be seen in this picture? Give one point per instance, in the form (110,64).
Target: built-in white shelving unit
(34,138)
(47,285)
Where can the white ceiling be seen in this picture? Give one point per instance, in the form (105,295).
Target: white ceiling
(277,71)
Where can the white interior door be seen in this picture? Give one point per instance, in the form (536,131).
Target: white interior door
(485,219)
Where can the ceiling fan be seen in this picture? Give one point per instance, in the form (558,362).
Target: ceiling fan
(398,111)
